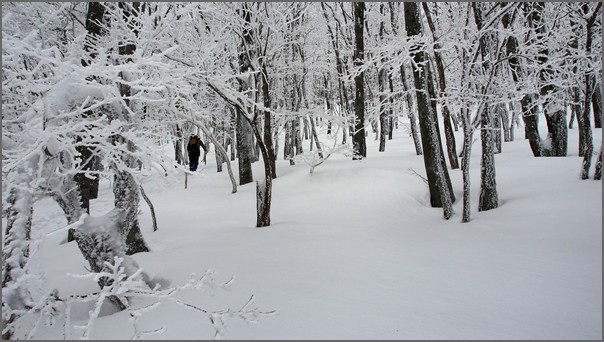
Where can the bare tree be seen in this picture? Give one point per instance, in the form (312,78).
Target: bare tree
(358,138)
(441,194)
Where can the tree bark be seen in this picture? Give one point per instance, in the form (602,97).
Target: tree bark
(585,134)
(449,136)
(268,128)
(245,140)
(529,107)
(411,114)
(488,198)
(555,114)
(441,194)
(358,139)
(596,101)
(89,187)
(382,81)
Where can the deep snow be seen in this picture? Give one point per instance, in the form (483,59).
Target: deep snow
(356,252)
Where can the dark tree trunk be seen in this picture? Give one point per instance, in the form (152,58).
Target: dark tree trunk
(555,115)
(344,108)
(358,139)
(178,152)
(585,134)
(441,194)
(411,113)
(245,139)
(529,107)
(391,111)
(488,198)
(449,136)
(596,101)
(89,187)
(382,80)
(245,152)
(598,169)
(125,189)
(497,131)
(313,131)
(465,164)
(268,128)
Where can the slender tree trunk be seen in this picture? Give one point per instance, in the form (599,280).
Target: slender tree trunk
(585,134)
(529,107)
(411,114)
(313,131)
(268,129)
(263,189)
(178,152)
(596,101)
(436,171)
(468,132)
(598,169)
(449,136)
(220,151)
(555,115)
(488,185)
(245,139)
(382,80)
(358,140)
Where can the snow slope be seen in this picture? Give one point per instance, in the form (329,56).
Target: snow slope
(356,252)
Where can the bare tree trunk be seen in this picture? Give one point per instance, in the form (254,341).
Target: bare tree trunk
(382,80)
(151,208)
(411,114)
(313,131)
(245,139)
(585,134)
(529,108)
(125,187)
(220,151)
(178,152)
(596,101)
(554,115)
(488,198)
(268,128)
(598,170)
(441,194)
(358,139)
(88,187)
(465,164)
(449,137)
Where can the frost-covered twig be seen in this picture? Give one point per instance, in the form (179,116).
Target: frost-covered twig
(141,299)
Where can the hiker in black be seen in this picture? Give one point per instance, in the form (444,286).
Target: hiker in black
(193,147)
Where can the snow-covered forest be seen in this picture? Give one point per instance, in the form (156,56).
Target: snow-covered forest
(376,170)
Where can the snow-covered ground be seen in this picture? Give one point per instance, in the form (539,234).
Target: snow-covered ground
(355,251)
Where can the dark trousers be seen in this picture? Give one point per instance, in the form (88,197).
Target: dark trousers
(193,161)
